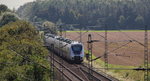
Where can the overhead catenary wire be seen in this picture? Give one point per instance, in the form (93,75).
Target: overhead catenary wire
(90,64)
(131,38)
(17,73)
(136,69)
(80,36)
(31,61)
(128,41)
(113,41)
(112,51)
(146,55)
(60,53)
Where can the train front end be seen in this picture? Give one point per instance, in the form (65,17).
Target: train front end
(77,52)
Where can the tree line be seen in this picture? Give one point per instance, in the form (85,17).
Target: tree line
(116,14)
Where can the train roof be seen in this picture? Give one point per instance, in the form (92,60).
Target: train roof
(60,38)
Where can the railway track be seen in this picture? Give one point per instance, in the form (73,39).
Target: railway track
(99,76)
(68,74)
(78,72)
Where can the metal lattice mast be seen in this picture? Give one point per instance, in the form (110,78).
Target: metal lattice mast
(106,49)
(80,35)
(61,60)
(52,64)
(90,65)
(65,33)
(146,55)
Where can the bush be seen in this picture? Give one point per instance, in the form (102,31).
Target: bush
(22,56)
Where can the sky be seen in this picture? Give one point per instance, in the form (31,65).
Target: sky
(14,3)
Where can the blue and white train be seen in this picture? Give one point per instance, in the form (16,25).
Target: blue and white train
(66,48)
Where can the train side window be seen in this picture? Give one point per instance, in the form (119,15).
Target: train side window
(52,36)
(57,38)
(62,39)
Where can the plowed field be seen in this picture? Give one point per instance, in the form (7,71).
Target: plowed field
(127,53)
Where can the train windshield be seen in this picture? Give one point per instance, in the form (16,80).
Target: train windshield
(77,49)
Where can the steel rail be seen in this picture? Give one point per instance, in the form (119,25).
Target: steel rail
(67,69)
(102,74)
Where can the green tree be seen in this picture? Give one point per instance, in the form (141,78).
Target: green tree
(7,18)
(3,8)
(50,27)
(139,19)
(121,20)
(22,56)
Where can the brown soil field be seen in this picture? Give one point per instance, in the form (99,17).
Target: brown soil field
(132,54)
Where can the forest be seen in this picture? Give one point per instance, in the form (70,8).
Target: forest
(90,14)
